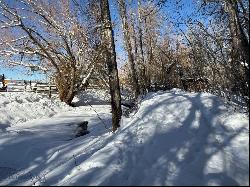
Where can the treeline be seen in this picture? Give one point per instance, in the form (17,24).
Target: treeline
(205,51)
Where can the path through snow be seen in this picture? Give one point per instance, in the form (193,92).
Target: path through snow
(175,138)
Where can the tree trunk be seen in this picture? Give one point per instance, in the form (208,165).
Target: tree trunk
(140,30)
(240,42)
(65,93)
(240,46)
(66,83)
(128,46)
(149,56)
(110,58)
(141,47)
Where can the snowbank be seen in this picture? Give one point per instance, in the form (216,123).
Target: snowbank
(92,97)
(16,107)
(175,138)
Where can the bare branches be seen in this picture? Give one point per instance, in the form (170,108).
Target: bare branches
(29,65)
(51,35)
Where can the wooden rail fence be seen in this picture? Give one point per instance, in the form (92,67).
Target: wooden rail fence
(44,88)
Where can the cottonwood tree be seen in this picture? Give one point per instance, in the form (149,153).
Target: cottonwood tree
(145,23)
(110,59)
(231,40)
(49,36)
(128,46)
(205,51)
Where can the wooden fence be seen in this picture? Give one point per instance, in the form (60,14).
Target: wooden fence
(44,88)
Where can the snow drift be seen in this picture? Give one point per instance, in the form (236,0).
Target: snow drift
(175,138)
(16,107)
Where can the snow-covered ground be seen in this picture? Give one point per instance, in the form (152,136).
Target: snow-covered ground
(16,107)
(175,138)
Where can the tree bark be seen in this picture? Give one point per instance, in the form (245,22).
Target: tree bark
(240,42)
(141,46)
(240,45)
(128,46)
(140,30)
(66,85)
(110,58)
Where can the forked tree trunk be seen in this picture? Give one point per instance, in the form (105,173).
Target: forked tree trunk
(66,85)
(144,68)
(128,47)
(110,58)
(140,30)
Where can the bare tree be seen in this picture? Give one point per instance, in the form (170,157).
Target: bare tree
(110,59)
(54,41)
(128,46)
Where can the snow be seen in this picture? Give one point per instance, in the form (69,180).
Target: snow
(18,107)
(92,97)
(174,138)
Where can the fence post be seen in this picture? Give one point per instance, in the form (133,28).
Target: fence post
(49,91)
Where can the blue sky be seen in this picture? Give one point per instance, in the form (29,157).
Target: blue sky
(20,73)
(170,9)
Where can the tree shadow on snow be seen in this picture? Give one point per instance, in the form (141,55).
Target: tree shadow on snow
(176,156)
(3,127)
(89,99)
(179,156)
(43,157)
